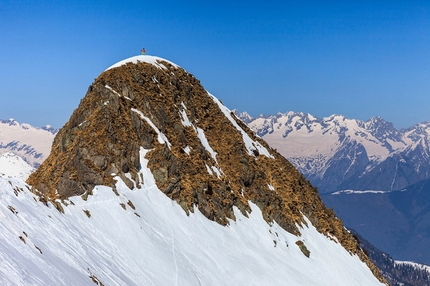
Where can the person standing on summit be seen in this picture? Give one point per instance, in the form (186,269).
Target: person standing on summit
(143,51)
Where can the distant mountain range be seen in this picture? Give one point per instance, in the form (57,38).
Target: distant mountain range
(336,153)
(30,143)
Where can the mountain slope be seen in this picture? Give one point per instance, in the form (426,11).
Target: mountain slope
(13,166)
(337,153)
(396,222)
(146,111)
(30,143)
(397,273)
(141,237)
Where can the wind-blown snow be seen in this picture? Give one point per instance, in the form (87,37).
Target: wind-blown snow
(156,61)
(157,243)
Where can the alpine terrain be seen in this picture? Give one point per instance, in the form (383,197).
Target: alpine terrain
(375,176)
(396,222)
(153,181)
(336,153)
(30,143)
(13,166)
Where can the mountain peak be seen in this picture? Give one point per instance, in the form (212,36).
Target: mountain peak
(199,155)
(153,60)
(244,116)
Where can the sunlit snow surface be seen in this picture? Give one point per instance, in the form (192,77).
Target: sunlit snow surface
(143,58)
(349,192)
(12,165)
(156,244)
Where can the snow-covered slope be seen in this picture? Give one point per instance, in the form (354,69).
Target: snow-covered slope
(30,143)
(13,166)
(340,153)
(141,237)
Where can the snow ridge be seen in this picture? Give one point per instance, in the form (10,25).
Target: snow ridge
(156,61)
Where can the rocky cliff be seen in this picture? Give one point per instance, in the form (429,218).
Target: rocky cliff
(201,154)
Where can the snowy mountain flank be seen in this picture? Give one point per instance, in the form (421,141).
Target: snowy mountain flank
(30,143)
(153,181)
(337,153)
(13,166)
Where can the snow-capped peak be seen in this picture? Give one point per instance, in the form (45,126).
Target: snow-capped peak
(156,61)
(162,134)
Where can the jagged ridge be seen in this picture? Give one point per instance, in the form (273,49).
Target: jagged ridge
(337,153)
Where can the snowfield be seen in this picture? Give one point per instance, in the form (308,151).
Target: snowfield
(141,237)
(12,165)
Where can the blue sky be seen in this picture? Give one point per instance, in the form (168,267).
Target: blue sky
(355,58)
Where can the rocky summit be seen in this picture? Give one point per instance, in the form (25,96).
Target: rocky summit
(201,155)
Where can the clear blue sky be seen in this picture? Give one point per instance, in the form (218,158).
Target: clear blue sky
(355,58)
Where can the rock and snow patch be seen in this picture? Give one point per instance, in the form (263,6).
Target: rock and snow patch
(185,121)
(156,243)
(250,144)
(162,139)
(187,150)
(205,143)
(115,92)
(270,187)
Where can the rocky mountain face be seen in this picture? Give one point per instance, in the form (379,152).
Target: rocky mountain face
(200,155)
(337,153)
(30,143)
